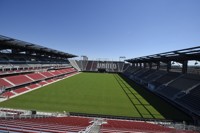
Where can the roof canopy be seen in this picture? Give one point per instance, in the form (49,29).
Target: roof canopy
(18,45)
(178,55)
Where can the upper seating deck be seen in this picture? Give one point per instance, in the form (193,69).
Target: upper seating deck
(36,76)
(70,70)
(61,71)
(47,74)
(19,79)
(4,83)
(56,73)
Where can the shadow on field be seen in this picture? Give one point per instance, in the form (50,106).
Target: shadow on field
(139,106)
(167,110)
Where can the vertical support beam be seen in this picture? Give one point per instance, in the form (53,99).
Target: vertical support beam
(184,67)
(134,64)
(168,66)
(137,65)
(140,65)
(145,65)
(150,65)
(158,65)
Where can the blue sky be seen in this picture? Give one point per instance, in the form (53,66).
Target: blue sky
(104,28)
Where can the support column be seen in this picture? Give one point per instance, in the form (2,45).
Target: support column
(184,67)
(145,65)
(140,65)
(137,65)
(168,66)
(150,65)
(158,65)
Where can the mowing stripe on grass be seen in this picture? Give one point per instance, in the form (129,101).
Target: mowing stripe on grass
(141,108)
(96,93)
(84,93)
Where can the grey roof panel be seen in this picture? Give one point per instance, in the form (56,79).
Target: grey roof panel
(11,42)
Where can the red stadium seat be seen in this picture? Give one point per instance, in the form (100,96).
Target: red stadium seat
(19,79)
(20,90)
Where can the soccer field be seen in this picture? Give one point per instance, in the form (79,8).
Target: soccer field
(95,93)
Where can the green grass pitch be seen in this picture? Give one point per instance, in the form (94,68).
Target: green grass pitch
(96,93)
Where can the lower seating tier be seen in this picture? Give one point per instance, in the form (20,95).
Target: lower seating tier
(8,94)
(191,100)
(20,90)
(33,86)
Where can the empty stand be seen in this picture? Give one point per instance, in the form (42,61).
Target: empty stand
(50,80)
(181,84)
(71,70)
(8,94)
(77,124)
(154,76)
(42,83)
(55,73)
(132,126)
(30,80)
(19,79)
(52,124)
(47,74)
(36,76)
(20,90)
(191,100)
(72,121)
(4,83)
(142,75)
(145,74)
(165,79)
(185,82)
(33,86)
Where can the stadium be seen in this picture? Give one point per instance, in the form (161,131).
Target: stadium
(46,90)
(99,66)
